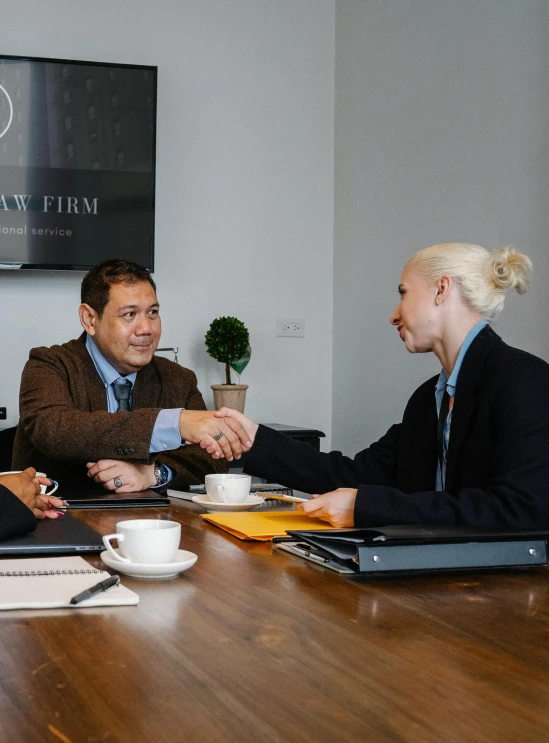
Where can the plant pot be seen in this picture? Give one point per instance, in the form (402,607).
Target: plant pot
(230,396)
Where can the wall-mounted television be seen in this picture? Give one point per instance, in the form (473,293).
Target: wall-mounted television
(77,163)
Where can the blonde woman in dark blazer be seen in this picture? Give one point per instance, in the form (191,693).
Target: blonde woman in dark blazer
(484,462)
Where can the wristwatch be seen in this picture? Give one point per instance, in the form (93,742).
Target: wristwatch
(161,472)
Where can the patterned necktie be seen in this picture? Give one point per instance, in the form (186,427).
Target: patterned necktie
(443,432)
(122,390)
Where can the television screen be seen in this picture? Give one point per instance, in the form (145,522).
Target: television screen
(77,163)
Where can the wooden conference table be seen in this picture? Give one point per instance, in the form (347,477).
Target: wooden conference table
(252,644)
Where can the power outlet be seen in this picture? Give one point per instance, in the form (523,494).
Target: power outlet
(290,327)
(3,414)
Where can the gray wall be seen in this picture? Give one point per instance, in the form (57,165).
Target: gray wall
(441,134)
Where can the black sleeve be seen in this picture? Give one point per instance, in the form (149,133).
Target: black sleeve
(296,464)
(15,517)
(515,494)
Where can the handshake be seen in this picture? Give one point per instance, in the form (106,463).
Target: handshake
(223,433)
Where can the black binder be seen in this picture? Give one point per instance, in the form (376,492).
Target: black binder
(394,550)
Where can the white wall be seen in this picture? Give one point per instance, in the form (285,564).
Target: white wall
(244,222)
(441,134)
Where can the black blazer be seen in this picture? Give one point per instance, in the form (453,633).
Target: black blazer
(498,455)
(15,517)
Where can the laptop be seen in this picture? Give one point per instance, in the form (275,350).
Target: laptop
(96,497)
(61,536)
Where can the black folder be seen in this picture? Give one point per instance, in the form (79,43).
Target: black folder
(390,550)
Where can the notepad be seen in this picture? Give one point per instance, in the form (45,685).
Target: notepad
(264,525)
(50,583)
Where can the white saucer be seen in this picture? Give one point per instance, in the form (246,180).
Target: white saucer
(212,506)
(183,560)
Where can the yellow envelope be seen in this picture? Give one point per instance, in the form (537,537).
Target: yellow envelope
(263,525)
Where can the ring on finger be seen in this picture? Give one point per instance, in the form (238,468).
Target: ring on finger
(218,436)
(118,482)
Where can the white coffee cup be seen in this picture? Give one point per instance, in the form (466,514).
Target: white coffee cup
(228,488)
(146,541)
(43,488)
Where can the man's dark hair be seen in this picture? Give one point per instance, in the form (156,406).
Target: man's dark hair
(97,283)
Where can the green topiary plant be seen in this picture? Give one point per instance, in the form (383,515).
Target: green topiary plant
(227,341)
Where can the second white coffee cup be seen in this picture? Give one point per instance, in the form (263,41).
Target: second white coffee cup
(146,541)
(228,488)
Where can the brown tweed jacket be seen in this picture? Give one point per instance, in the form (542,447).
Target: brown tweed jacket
(64,422)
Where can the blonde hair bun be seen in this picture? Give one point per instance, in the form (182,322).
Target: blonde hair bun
(481,276)
(510,270)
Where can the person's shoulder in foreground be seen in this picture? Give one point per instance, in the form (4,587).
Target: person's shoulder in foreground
(15,517)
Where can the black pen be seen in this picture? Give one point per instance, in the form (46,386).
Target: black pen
(114,580)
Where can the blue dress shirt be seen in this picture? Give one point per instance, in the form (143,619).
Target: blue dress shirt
(450,385)
(165,434)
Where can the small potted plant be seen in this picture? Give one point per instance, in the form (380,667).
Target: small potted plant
(228,341)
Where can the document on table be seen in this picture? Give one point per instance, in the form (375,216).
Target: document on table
(263,525)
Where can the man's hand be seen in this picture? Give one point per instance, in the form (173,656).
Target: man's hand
(214,434)
(336,507)
(26,486)
(122,477)
(236,421)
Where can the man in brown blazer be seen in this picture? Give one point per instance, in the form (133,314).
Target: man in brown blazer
(104,408)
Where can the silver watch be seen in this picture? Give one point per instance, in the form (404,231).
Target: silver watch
(161,473)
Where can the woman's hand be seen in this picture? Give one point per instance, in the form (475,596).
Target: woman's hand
(336,507)
(26,486)
(47,505)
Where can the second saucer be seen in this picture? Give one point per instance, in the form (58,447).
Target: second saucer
(212,506)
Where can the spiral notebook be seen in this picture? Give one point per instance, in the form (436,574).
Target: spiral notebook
(50,583)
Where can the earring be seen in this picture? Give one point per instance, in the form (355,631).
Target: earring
(437,301)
